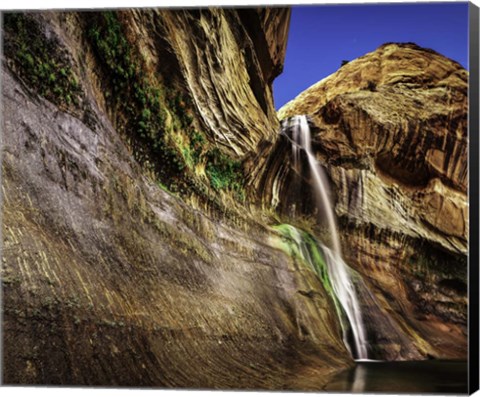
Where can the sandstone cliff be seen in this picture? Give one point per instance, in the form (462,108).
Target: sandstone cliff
(136,249)
(391,130)
(125,261)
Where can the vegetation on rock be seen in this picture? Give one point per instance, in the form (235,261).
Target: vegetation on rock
(315,257)
(39,61)
(148,282)
(160,125)
(135,95)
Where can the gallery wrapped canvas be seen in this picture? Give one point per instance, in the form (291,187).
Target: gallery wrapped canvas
(248,198)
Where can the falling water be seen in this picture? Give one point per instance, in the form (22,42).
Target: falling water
(337,269)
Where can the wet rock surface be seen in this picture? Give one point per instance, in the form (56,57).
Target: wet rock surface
(390,128)
(110,279)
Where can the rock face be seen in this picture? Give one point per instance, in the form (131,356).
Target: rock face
(391,130)
(110,279)
(229,59)
(135,253)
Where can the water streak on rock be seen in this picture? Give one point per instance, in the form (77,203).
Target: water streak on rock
(341,281)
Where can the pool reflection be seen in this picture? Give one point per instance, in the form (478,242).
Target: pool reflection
(432,376)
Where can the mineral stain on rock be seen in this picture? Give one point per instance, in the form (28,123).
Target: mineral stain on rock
(143,179)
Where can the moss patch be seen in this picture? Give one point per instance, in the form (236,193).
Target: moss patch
(224,172)
(158,121)
(39,61)
(303,246)
(131,93)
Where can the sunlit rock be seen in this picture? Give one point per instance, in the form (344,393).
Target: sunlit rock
(390,128)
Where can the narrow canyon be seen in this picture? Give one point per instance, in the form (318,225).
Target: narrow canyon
(162,224)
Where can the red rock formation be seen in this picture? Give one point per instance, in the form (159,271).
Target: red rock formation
(109,279)
(391,129)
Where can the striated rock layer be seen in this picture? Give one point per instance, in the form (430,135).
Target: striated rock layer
(134,253)
(390,128)
(110,279)
(229,59)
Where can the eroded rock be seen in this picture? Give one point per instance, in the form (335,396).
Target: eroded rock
(390,128)
(108,278)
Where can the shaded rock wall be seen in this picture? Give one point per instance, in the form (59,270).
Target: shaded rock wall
(189,90)
(229,59)
(391,130)
(108,278)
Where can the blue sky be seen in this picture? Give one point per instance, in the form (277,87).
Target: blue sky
(321,36)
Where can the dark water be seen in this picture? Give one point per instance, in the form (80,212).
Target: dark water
(432,376)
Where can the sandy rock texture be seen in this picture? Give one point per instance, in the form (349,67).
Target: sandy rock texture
(113,276)
(390,128)
(228,60)
(110,279)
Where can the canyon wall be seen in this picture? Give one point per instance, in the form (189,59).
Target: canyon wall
(390,128)
(142,174)
(127,257)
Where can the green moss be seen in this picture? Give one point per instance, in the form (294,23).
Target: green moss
(175,148)
(181,105)
(140,99)
(159,120)
(224,172)
(197,145)
(304,247)
(38,60)
(163,187)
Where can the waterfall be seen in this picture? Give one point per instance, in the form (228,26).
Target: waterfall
(338,273)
